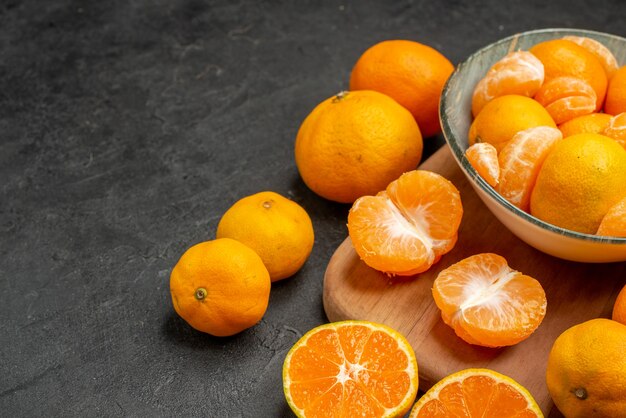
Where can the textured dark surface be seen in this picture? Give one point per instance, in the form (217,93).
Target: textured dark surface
(126,129)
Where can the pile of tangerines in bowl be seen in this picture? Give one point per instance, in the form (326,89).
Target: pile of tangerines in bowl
(362,147)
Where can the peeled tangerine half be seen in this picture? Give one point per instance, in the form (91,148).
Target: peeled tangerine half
(406,228)
(487,303)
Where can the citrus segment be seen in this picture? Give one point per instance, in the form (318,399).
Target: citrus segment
(406,228)
(519,72)
(484,158)
(520,161)
(350,368)
(355,143)
(616,129)
(601,52)
(565,58)
(614,222)
(411,73)
(476,393)
(504,116)
(594,123)
(566,98)
(487,303)
(616,93)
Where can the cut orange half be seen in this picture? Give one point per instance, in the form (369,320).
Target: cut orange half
(408,227)
(348,369)
(488,303)
(476,393)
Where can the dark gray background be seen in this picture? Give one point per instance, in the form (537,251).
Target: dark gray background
(126,129)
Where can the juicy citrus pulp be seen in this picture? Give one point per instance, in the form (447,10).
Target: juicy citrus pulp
(487,303)
(476,393)
(406,228)
(350,368)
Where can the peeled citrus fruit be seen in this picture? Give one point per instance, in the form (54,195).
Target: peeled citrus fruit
(519,72)
(476,393)
(355,143)
(580,179)
(616,129)
(504,116)
(586,371)
(484,158)
(487,303)
(619,308)
(411,73)
(220,287)
(566,98)
(520,161)
(406,228)
(276,228)
(350,368)
(613,224)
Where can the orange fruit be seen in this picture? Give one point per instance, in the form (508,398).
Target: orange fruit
(520,161)
(276,228)
(616,129)
(406,228)
(580,179)
(566,98)
(613,224)
(484,158)
(411,73)
(487,303)
(616,93)
(593,123)
(586,371)
(619,308)
(519,72)
(561,57)
(355,143)
(350,368)
(601,52)
(504,116)
(220,287)
(476,393)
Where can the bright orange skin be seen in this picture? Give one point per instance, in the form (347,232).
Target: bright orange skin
(616,93)
(565,58)
(220,287)
(619,309)
(355,143)
(411,73)
(594,123)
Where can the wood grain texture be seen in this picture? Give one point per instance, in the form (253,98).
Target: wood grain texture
(575,292)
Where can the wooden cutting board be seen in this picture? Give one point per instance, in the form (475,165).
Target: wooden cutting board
(575,291)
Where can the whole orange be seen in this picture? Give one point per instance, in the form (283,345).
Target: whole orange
(582,177)
(356,143)
(220,287)
(616,93)
(276,228)
(411,73)
(586,371)
(503,117)
(561,57)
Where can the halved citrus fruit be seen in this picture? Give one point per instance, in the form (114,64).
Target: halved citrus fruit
(484,158)
(520,161)
(350,368)
(488,303)
(476,393)
(406,228)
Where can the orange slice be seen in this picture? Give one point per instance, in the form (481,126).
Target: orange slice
(487,303)
(406,228)
(520,161)
(484,158)
(350,368)
(476,393)
(518,72)
(566,98)
(616,129)
(613,224)
(597,49)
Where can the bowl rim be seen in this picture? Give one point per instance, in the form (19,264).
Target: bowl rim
(463,162)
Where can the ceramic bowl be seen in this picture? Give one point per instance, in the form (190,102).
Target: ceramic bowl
(456,117)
